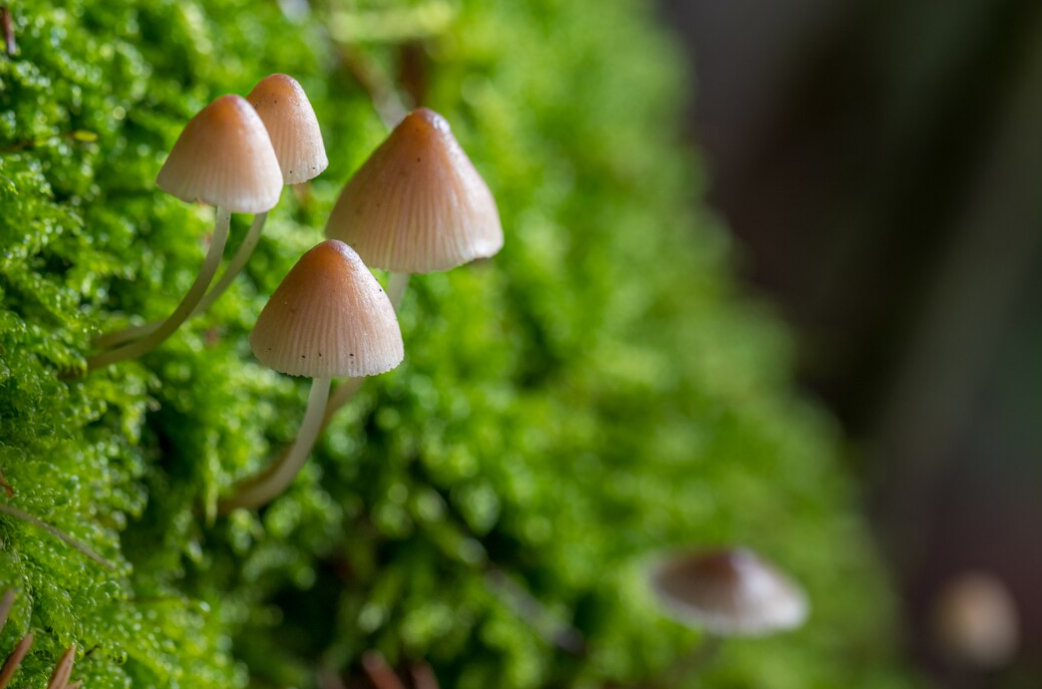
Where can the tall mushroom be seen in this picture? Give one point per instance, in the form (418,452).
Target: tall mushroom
(224,157)
(297,141)
(329,317)
(417,205)
(729,593)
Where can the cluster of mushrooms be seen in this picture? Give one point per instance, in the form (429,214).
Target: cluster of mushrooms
(417,205)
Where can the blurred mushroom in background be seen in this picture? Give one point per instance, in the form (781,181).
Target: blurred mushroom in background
(975,622)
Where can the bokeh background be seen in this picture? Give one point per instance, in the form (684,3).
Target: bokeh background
(880,162)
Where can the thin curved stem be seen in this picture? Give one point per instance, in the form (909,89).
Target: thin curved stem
(57,533)
(184,309)
(259,491)
(235,266)
(396,284)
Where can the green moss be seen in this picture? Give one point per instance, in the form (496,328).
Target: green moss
(598,391)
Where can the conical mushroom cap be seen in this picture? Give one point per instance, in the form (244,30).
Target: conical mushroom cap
(418,205)
(292,126)
(328,318)
(730,593)
(224,157)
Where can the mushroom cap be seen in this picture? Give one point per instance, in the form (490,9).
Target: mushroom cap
(224,157)
(292,126)
(975,621)
(418,205)
(328,318)
(730,593)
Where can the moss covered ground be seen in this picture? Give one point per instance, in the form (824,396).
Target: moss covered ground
(600,390)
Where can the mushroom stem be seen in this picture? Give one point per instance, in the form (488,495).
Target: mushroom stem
(235,266)
(57,533)
(396,284)
(184,309)
(259,491)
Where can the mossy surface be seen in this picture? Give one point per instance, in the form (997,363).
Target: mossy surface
(598,391)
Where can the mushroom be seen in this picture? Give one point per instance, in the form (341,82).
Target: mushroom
(329,317)
(975,621)
(728,593)
(223,157)
(295,135)
(296,138)
(417,205)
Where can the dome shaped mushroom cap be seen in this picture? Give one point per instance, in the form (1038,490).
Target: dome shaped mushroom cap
(224,157)
(418,205)
(292,126)
(730,593)
(328,318)
(975,621)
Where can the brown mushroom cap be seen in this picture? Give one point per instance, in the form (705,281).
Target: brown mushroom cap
(975,621)
(224,157)
(329,317)
(292,126)
(729,592)
(418,205)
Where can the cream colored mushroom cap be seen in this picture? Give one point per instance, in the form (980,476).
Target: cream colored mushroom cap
(418,204)
(975,621)
(224,157)
(328,318)
(292,126)
(729,593)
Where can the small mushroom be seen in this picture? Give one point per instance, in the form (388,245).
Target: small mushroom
(295,135)
(729,592)
(223,157)
(329,317)
(975,622)
(296,138)
(417,205)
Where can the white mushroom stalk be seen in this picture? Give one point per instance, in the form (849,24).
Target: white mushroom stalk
(235,266)
(167,327)
(223,157)
(329,317)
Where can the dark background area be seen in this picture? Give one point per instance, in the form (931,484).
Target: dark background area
(881,163)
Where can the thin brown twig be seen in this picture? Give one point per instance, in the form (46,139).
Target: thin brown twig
(7,26)
(423,676)
(63,670)
(380,673)
(15,659)
(378,86)
(5,485)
